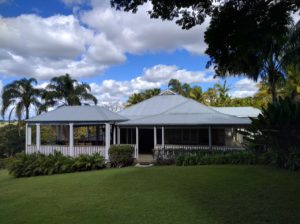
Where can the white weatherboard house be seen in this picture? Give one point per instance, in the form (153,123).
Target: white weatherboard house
(162,122)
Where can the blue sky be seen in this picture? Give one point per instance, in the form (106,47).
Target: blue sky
(118,53)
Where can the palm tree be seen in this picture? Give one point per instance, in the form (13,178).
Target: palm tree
(150,93)
(175,86)
(134,99)
(210,96)
(139,97)
(20,95)
(63,90)
(196,94)
(186,90)
(222,91)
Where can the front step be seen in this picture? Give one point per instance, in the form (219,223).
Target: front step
(144,164)
(145,160)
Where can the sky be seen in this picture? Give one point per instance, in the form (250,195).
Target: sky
(117,53)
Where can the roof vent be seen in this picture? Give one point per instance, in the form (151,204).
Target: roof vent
(167,92)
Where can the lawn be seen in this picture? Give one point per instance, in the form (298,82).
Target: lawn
(204,194)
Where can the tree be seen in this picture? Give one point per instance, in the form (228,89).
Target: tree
(187,13)
(175,86)
(139,97)
(64,90)
(150,93)
(12,140)
(196,94)
(222,91)
(291,60)
(20,95)
(276,131)
(248,37)
(210,97)
(244,37)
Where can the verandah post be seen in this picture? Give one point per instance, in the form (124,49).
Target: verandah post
(209,138)
(136,142)
(155,137)
(114,135)
(38,136)
(71,139)
(26,138)
(163,136)
(107,140)
(118,135)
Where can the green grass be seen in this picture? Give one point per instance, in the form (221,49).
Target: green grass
(204,194)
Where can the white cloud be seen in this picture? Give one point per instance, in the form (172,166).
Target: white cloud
(137,33)
(88,42)
(45,47)
(154,77)
(244,88)
(1,88)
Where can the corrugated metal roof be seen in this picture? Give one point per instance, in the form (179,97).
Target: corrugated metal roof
(177,110)
(152,106)
(189,119)
(78,114)
(239,111)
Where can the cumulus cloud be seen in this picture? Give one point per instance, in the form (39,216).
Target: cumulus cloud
(154,77)
(45,47)
(1,88)
(244,88)
(87,42)
(137,33)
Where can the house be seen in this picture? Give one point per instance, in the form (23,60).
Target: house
(165,121)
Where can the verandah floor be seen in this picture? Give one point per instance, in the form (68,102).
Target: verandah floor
(204,194)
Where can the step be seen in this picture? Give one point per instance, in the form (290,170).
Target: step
(144,164)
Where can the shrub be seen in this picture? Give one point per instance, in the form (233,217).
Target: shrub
(121,155)
(86,162)
(12,139)
(37,164)
(241,157)
(274,134)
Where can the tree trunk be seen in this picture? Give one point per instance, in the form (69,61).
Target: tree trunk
(272,80)
(27,113)
(273,92)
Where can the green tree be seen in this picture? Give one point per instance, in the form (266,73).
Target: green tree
(276,131)
(248,38)
(64,90)
(196,94)
(20,95)
(12,140)
(139,97)
(186,14)
(222,91)
(150,93)
(176,86)
(210,97)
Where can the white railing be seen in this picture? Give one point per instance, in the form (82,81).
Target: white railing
(196,147)
(89,150)
(48,149)
(172,151)
(65,149)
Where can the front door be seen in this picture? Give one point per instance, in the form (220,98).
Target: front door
(146,140)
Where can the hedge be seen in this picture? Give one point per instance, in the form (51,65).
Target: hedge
(121,155)
(37,164)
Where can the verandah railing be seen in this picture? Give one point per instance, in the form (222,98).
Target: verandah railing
(172,151)
(65,150)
